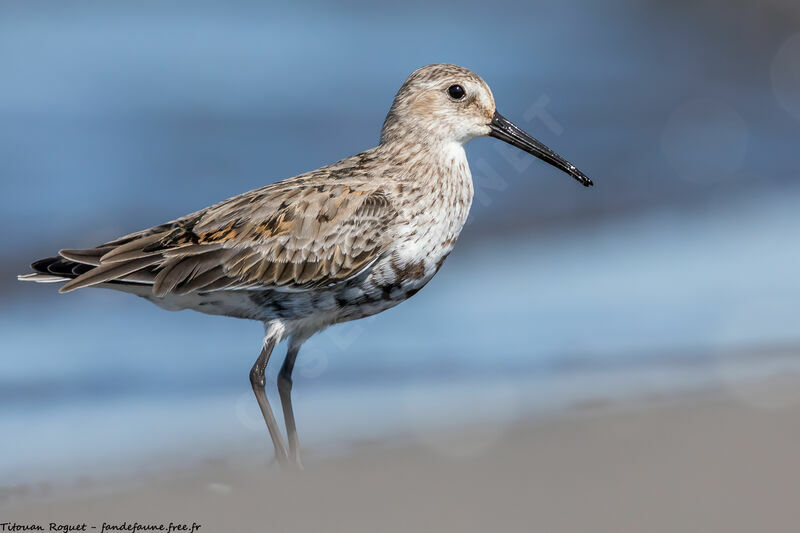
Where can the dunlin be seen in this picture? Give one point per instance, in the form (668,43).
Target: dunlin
(343,242)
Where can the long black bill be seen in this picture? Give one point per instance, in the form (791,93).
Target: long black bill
(505,130)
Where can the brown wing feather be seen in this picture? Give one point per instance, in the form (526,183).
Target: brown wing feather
(300,233)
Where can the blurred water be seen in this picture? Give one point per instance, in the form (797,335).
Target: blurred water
(122,115)
(676,266)
(666,300)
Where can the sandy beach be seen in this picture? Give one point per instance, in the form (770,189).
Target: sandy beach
(715,461)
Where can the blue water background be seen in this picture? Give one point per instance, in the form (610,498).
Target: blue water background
(678,270)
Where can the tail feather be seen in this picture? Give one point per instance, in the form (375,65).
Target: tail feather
(107,272)
(168,258)
(41,278)
(61,269)
(54,265)
(90,257)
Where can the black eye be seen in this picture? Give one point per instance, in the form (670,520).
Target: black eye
(456,92)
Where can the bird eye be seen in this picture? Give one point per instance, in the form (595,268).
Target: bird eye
(456,92)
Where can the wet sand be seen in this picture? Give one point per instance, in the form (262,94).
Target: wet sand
(718,461)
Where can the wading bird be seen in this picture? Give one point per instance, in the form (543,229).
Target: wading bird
(339,243)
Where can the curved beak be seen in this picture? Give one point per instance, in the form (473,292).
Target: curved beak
(505,130)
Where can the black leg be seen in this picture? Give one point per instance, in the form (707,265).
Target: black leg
(285,390)
(258,382)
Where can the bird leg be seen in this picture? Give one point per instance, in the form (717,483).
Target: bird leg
(258,382)
(285,390)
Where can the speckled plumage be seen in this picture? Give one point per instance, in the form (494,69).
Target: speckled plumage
(339,243)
